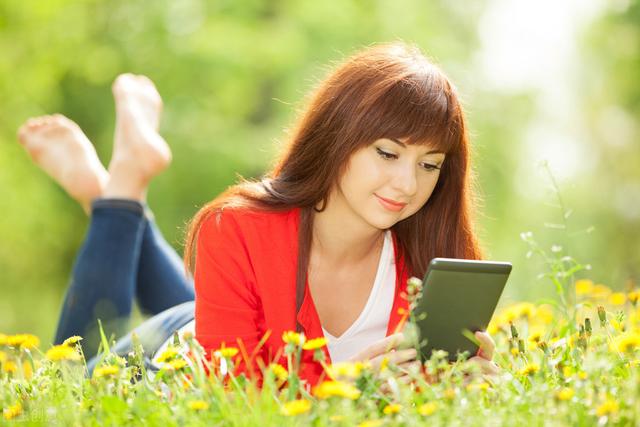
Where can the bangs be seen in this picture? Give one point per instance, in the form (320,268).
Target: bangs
(421,108)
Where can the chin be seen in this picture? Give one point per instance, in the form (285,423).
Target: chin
(381,223)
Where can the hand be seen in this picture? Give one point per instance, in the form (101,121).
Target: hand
(484,357)
(389,348)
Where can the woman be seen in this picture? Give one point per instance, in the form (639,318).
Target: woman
(374,183)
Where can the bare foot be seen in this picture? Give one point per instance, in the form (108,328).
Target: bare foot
(139,152)
(62,150)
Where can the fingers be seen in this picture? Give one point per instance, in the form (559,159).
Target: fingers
(381,347)
(487,367)
(410,366)
(487,345)
(395,357)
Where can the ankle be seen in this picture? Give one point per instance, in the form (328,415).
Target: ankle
(129,187)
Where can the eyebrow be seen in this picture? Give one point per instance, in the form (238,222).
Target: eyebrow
(403,145)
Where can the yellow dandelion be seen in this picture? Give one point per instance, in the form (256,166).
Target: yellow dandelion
(573,339)
(567,371)
(71,341)
(62,352)
(544,314)
(30,342)
(608,407)
(168,354)
(315,343)
(584,287)
(493,328)
(633,297)
(384,364)
(535,335)
(198,405)
(346,369)
(626,342)
(582,375)
(391,409)
(525,309)
(481,386)
(106,371)
(514,351)
(565,393)
(618,326)
(24,341)
(329,389)
(226,352)
(175,365)
(27,370)
(617,298)
(279,371)
(449,394)
(295,407)
(529,369)
(371,423)
(427,409)
(10,367)
(600,291)
(290,337)
(12,411)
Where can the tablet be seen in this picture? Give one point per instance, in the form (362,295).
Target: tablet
(458,295)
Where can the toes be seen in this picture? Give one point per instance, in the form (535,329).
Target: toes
(22,133)
(36,122)
(31,125)
(65,121)
(122,82)
(146,81)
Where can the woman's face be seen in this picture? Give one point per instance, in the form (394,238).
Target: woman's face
(388,181)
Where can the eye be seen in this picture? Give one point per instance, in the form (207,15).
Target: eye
(389,156)
(430,167)
(385,155)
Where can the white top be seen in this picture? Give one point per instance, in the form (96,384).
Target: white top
(369,327)
(373,321)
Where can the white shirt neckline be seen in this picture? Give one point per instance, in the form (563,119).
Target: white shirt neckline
(373,295)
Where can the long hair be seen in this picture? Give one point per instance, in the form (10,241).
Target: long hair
(385,91)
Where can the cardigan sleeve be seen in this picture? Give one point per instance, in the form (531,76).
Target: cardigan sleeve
(227,306)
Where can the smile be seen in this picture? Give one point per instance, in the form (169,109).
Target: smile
(390,204)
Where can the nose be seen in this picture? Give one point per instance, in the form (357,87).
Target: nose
(406,181)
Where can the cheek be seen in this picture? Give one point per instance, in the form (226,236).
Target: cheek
(365,175)
(425,191)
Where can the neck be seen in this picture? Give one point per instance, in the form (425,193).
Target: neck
(343,239)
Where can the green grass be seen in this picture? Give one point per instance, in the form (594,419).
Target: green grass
(553,372)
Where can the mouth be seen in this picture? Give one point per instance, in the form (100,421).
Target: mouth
(390,204)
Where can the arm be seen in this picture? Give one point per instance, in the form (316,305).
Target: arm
(227,305)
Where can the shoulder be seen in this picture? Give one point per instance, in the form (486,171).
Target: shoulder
(243,217)
(250,226)
(259,241)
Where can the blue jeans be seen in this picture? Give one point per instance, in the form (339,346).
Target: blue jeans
(124,257)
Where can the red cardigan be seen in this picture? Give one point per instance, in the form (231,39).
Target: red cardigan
(245,279)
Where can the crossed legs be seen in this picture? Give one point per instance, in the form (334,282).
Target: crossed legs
(124,256)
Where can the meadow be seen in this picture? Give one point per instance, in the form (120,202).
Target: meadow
(569,361)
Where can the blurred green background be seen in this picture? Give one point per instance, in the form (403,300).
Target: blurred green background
(554,81)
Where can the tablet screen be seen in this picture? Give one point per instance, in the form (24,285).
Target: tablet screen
(458,295)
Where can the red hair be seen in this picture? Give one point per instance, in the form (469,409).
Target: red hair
(385,91)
